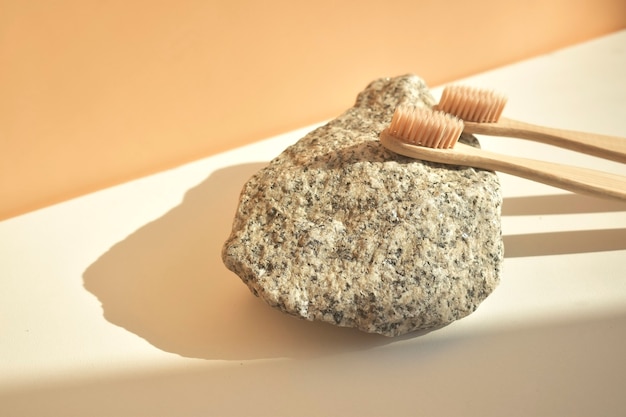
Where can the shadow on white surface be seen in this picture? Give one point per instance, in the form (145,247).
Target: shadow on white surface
(563,242)
(555,368)
(559,204)
(167,284)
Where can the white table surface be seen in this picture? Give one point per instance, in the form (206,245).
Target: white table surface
(117,303)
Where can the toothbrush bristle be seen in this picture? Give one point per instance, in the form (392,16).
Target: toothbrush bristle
(425,127)
(472,104)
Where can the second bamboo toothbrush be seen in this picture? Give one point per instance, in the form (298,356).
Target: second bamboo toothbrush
(481,113)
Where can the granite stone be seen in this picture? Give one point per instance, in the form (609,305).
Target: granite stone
(338,229)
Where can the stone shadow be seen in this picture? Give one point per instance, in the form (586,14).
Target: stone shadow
(167,284)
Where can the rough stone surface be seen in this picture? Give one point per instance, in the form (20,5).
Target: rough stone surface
(338,229)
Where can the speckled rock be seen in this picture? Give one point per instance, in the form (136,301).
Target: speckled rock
(338,229)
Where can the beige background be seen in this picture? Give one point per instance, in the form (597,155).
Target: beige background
(94,93)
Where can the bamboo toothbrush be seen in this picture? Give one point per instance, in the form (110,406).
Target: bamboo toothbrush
(430,135)
(481,109)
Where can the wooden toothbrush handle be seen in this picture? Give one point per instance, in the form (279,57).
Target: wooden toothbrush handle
(603,146)
(576,179)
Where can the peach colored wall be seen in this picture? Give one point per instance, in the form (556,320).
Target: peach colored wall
(94,93)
